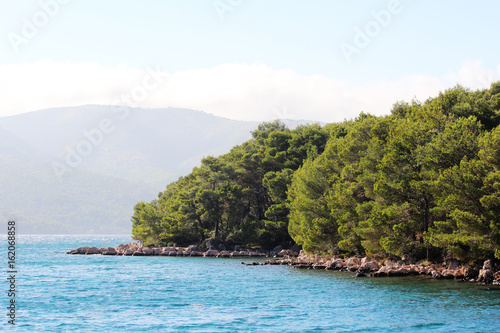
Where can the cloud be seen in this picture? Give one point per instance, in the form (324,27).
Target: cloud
(236,91)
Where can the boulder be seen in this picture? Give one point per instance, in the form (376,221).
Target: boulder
(192,248)
(146,251)
(485,275)
(382,271)
(397,272)
(92,250)
(172,253)
(211,244)
(138,253)
(353,261)
(389,263)
(127,252)
(448,274)
(195,254)
(453,264)
(222,247)
(224,254)
(211,253)
(110,251)
(368,266)
(296,248)
(436,275)
(471,273)
(488,264)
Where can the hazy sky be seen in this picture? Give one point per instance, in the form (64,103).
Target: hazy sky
(322,60)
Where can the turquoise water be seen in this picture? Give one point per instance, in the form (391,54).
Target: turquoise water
(62,293)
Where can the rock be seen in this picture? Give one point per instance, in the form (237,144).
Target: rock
(224,254)
(211,253)
(172,253)
(222,247)
(448,274)
(471,273)
(238,248)
(382,271)
(110,251)
(319,266)
(485,275)
(211,244)
(138,253)
(92,250)
(488,264)
(146,251)
(436,275)
(400,263)
(127,252)
(352,261)
(397,272)
(296,248)
(360,274)
(368,266)
(453,264)
(195,254)
(389,263)
(192,248)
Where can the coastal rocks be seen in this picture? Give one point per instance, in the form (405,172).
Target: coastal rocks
(485,276)
(110,251)
(211,253)
(368,266)
(224,254)
(288,253)
(92,250)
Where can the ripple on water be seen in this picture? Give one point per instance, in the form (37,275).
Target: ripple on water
(59,292)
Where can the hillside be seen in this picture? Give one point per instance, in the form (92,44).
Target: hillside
(141,151)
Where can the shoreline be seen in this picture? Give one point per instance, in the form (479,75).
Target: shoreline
(361,266)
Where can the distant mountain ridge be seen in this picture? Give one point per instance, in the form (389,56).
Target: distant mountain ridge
(81,169)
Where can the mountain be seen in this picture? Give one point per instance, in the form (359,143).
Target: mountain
(82,169)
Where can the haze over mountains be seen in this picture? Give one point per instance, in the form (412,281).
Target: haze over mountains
(82,169)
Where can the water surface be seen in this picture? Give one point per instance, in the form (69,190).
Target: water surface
(59,292)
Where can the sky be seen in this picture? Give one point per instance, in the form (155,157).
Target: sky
(322,60)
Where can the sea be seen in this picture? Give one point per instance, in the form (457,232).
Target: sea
(56,292)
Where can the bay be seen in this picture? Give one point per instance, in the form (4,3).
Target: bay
(56,292)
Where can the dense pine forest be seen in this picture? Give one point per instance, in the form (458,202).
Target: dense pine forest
(423,182)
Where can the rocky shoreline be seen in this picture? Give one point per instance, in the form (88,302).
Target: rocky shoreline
(362,266)
(137,249)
